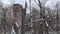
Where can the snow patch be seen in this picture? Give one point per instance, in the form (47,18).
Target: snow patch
(13,31)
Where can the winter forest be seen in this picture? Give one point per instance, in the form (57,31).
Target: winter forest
(29,16)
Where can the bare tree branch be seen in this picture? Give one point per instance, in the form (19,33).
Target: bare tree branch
(36,2)
(25,5)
